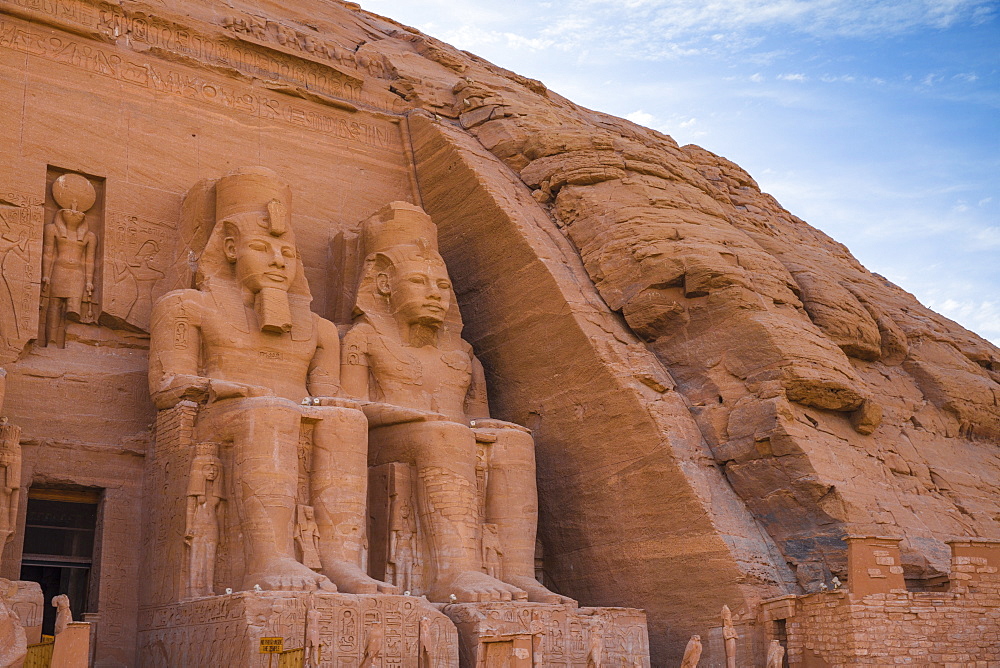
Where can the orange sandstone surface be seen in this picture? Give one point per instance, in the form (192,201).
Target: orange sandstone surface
(718,393)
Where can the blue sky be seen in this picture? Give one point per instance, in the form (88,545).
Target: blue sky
(877,121)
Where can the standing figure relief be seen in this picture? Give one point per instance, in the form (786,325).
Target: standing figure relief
(68,255)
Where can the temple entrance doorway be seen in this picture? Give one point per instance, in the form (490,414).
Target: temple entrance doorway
(59,540)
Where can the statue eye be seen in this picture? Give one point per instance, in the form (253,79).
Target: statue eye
(257,246)
(288,252)
(444,285)
(419,280)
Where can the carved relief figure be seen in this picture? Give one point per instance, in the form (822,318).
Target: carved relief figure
(775,654)
(246,344)
(313,651)
(402,547)
(14,259)
(141,276)
(405,354)
(307,537)
(729,635)
(492,552)
(595,645)
(68,255)
(373,645)
(204,501)
(64,616)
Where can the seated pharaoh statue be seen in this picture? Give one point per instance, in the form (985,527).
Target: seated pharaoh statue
(265,371)
(428,411)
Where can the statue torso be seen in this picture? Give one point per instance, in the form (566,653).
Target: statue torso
(426,378)
(275,361)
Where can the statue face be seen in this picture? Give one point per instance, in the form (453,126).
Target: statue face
(211,471)
(419,292)
(73,216)
(262,260)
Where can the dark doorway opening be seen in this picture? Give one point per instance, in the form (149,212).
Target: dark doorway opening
(58,554)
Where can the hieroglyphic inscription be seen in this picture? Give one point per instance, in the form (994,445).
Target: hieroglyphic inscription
(21,224)
(347,623)
(144,73)
(560,635)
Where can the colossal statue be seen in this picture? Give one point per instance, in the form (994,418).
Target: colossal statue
(405,355)
(246,345)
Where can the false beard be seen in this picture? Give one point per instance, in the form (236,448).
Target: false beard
(273,311)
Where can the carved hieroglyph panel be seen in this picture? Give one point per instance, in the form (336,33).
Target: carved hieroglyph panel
(136,254)
(21,223)
(396,631)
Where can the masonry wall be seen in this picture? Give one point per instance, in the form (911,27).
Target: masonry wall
(957,628)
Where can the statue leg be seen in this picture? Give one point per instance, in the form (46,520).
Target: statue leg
(339,488)
(512,504)
(445,457)
(55,323)
(265,433)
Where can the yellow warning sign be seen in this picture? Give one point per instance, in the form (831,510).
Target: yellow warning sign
(272,645)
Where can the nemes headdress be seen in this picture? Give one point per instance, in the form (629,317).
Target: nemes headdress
(398,232)
(252,200)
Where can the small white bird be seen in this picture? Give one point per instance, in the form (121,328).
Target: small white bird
(452,598)
(257,588)
(837,584)
(229,590)
(406,593)
(822,586)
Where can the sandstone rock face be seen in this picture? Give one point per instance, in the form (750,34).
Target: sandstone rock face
(718,392)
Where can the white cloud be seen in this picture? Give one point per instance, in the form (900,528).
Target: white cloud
(793,77)
(641,117)
(757,77)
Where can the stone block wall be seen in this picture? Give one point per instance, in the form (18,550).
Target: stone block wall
(956,628)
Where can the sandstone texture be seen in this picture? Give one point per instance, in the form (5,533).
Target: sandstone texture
(718,394)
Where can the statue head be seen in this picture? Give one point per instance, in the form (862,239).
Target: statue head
(206,467)
(416,286)
(252,248)
(405,278)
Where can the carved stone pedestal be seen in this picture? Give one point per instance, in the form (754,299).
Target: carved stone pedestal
(334,630)
(522,635)
(20,619)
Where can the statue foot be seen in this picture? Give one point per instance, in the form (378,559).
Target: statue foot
(352,580)
(287,575)
(537,593)
(475,587)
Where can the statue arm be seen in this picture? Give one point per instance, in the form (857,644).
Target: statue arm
(476,404)
(354,363)
(192,502)
(90,260)
(324,370)
(48,253)
(175,340)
